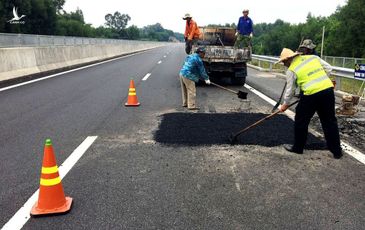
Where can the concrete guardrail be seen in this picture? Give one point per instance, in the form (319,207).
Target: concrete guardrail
(24,61)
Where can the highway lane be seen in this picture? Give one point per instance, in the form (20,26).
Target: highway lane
(126,180)
(66,109)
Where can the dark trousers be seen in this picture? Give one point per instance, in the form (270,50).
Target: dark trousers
(324,104)
(189,45)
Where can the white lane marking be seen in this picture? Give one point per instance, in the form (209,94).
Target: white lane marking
(263,96)
(345,147)
(146,77)
(68,71)
(21,217)
(164,56)
(159,62)
(238,187)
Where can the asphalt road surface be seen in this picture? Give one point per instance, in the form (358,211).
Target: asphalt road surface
(159,166)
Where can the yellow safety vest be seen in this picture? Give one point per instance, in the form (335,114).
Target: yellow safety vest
(311,77)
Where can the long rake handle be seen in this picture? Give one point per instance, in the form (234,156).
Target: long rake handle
(279,101)
(256,123)
(219,86)
(261,120)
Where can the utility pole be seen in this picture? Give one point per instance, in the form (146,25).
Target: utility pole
(322,41)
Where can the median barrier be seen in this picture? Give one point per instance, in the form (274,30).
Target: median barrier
(18,62)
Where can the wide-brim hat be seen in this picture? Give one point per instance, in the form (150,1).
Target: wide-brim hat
(286,54)
(186,16)
(307,43)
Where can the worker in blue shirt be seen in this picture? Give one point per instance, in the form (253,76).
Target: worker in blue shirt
(244,30)
(192,70)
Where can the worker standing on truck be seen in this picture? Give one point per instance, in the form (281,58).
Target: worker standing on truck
(310,73)
(244,31)
(192,33)
(192,70)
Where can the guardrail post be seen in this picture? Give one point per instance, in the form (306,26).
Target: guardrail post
(338,83)
(270,67)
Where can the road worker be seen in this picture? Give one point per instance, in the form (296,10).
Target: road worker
(244,30)
(192,70)
(310,73)
(307,47)
(192,33)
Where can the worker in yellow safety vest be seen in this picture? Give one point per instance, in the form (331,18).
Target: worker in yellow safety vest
(310,73)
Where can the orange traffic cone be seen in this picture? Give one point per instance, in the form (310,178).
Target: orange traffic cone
(51,199)
(132,95)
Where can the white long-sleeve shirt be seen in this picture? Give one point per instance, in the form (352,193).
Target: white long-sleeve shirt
(291,81)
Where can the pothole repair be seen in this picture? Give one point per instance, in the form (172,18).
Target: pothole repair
(194,129)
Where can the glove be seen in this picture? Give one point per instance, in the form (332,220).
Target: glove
(207,82)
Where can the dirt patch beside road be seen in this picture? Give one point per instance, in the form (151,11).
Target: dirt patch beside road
(352,130)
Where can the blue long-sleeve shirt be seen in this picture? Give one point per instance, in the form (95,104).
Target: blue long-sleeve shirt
(193,68)
(244,25)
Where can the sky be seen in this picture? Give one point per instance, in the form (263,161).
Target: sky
(204,12)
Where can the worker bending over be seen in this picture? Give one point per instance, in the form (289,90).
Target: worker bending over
(192,70)
(311,74)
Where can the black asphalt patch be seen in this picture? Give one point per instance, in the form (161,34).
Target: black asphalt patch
(193,129)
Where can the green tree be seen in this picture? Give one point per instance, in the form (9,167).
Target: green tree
(132,32)
(73,24)
(117,21)
(59,5)
(348,38)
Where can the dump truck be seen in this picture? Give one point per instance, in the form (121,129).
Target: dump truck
(222,59)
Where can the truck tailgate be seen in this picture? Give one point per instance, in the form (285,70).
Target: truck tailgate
(227,54)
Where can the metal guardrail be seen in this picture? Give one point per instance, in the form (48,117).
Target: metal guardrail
(345,62)
(338,72)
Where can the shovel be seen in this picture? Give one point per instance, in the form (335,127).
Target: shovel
(233,137)
(240,94)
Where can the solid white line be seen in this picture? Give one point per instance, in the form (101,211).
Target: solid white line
(345,147)
(146,77)
(263,96)
(69,71)
(159,62)
(67,165)
(23,214)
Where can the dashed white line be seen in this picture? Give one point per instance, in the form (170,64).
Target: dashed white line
(146,77)
(159,62)
(345,147)
(164,56)
(23,214)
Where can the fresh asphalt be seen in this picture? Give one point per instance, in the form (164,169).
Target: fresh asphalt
(129,179)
